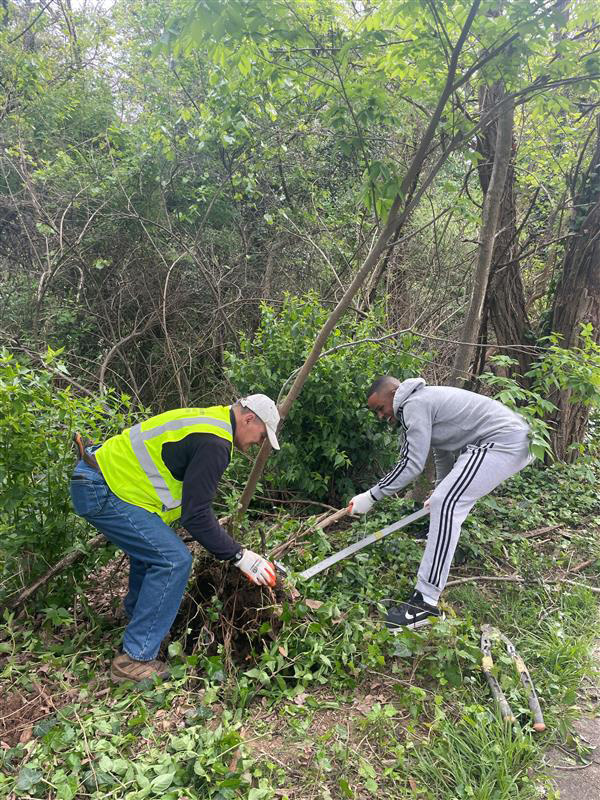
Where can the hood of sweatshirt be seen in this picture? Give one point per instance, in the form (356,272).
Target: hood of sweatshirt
(404,391)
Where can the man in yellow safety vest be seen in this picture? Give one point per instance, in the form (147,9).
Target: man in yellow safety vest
(163,469)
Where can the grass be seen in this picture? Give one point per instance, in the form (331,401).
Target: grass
(334,706)
(476,757)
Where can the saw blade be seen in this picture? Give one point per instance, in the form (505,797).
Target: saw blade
(370,539)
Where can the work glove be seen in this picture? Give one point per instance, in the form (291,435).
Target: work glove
(256,568)
(361,504)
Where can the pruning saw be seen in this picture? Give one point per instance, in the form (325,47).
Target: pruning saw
(354,548)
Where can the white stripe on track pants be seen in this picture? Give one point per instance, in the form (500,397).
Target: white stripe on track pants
(477,471)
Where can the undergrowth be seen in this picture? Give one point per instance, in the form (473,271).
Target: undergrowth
(328,705)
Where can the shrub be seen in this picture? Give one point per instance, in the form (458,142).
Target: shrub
(576,369)
(331,445)
(37,420)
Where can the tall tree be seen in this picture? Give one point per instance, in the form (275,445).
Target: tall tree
(487,238)
(504,304)
(577,296)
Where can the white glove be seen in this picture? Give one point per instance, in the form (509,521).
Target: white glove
(257,569)
(361,504)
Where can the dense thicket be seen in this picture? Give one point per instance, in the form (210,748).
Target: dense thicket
(167,166)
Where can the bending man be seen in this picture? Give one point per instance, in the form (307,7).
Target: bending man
(132,487)
(477,443)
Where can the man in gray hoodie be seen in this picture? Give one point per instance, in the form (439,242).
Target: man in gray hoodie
(477,443)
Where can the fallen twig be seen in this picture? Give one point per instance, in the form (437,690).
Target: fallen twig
(284,547)
(577,583)
(475,578)
(567,767)
(519,579)
(583,565)
(540,531)
(66,561)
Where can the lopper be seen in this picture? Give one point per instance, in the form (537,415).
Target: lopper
(490,634)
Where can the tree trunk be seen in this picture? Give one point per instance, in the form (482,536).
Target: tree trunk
(505,298)
(396,219)
(577,298)
(489,227)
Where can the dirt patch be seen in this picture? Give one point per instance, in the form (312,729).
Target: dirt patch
(348,715)
(108,586)
(22,709)
(20,712)
(221,607)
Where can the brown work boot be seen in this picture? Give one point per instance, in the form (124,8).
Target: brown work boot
(124,668)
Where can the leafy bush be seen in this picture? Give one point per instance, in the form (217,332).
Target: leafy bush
(576,369)
(37,419)
(330,444)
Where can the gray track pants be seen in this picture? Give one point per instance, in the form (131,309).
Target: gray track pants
(477,471)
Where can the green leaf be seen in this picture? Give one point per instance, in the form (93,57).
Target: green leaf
(44,725)
(105,763)
(175,649)
(27,779)
(256,793)
(162,782)
(142,781)
(66,787)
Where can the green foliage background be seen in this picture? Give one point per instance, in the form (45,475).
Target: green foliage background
(38,416)
(331,445)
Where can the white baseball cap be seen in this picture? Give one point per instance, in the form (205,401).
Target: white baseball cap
(266,410)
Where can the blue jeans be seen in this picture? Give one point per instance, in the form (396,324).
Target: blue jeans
(159,562)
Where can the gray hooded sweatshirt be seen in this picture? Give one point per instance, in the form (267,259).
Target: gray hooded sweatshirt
(447,420)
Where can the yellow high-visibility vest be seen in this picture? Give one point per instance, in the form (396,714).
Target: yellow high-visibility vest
(132,464)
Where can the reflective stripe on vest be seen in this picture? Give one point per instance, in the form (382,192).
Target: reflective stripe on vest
(138,437)
(132,462)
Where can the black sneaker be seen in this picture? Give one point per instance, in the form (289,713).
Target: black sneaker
(413,614)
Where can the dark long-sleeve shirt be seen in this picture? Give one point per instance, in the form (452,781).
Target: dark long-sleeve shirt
(199,460)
